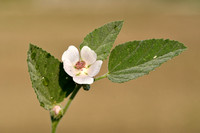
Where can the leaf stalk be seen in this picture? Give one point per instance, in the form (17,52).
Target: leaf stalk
(101,77)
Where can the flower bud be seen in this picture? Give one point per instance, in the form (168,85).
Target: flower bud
(86,87)
(56,109)
(56,112)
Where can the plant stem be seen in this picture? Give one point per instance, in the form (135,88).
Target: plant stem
(77,88)
(54,122)
(101,77)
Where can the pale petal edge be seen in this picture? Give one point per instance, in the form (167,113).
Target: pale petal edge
(83,79)
(71,54)
(69,69)
(94,69)
(88,55)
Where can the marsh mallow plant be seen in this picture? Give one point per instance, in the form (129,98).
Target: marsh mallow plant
(53,81)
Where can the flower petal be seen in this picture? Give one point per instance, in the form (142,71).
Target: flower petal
(95,68)
(83,79)
(71,54)
(69,68)
(88,55)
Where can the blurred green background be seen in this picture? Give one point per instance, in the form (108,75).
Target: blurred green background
(165,101)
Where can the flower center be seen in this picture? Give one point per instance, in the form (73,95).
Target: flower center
(80,65)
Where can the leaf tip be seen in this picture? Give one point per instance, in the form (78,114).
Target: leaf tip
(119,22)
(31,45)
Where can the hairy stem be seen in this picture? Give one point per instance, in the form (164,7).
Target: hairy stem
(101,77)
(54,122)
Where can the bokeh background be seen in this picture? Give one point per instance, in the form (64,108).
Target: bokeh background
(165,101)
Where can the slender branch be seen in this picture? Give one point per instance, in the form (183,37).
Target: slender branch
(101,77)
(54,122)
(77,88)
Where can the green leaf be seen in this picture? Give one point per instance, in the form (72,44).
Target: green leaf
(50,82)
(134,59)
(102,39)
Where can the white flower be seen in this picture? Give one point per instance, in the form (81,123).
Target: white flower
(82,68)
(56,109)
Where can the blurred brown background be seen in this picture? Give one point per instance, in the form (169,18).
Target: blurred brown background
(165,101)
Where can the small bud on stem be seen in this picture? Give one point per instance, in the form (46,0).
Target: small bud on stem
(56,109)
